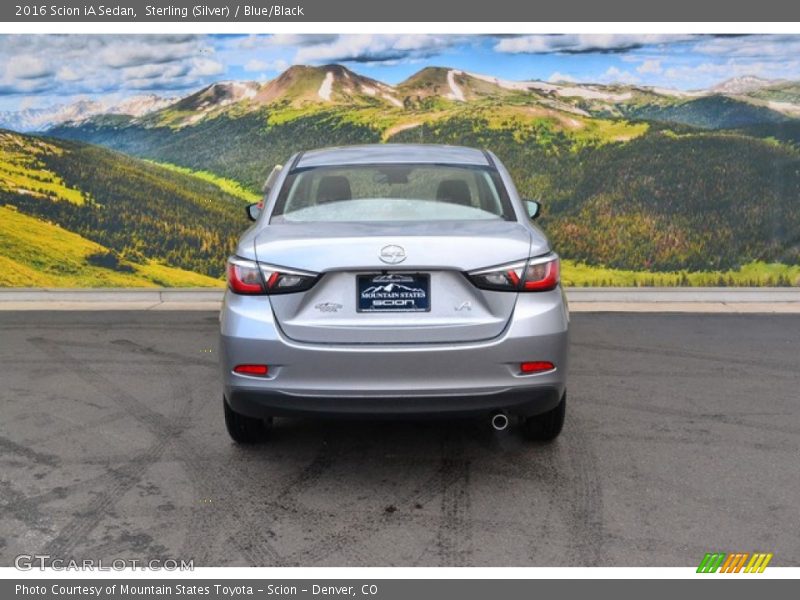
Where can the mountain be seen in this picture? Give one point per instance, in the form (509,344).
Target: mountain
(112,218)
(734,103)
(217,95)
(199,105)
(743,85)
(449,84)
(40,119)
(237,130)
(329,84)
(296,88)
(708,112)
(138,106)
(783,97)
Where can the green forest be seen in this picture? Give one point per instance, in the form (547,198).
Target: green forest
(670,199)
(136,212)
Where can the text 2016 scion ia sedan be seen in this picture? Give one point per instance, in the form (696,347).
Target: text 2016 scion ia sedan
(403,280)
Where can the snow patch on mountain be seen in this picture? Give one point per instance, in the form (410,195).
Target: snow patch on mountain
(662,91)
(138,106)
(456,93)
(326,88)
(393,100)
(575,91)
(511,85)
(743,84)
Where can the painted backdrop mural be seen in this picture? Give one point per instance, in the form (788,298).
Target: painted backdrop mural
(662,160)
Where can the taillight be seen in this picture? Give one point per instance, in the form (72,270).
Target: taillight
(252,370)
(536,366)
(541,276)
(244,276)
(250,277)
(535,275)
(283,281)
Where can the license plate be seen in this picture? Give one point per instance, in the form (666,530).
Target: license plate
(393,292)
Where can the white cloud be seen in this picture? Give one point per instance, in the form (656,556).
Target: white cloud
(750,46)
(255,65)
(374,48)
(616,75)
(580,43)
(650,66)
(55,66)
(156,71)
(135,51)
(703,73)
(28,67)
(67,73)
(296,39)
(97,65)
(206,67)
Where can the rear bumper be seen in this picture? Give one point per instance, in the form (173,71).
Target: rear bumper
(401,379)
(520,401)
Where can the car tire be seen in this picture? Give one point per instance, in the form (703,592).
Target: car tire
(547,426)
(244,429)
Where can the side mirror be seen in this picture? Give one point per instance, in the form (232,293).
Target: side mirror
(534,209)
(253,210)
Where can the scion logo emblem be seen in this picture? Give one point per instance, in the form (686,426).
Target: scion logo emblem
(328,307)
(392,254)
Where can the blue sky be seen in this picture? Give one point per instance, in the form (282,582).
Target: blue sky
(38,71)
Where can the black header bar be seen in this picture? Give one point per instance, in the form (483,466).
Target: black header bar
(440,11)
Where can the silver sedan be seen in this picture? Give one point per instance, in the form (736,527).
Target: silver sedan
(394,280)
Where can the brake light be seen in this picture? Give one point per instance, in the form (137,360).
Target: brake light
(244,277)
(250,277)
(541,276)
(535,275)
(255,370)
(536,366)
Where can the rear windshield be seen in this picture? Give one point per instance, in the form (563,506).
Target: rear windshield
(392,193)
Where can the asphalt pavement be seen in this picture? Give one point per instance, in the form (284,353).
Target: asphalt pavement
(682,437)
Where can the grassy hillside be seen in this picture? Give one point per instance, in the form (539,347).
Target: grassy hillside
(35,253)
(140,214)
(22,170)
(229,186)
(781,92)
(243,148)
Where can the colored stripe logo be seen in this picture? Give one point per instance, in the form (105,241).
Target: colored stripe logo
(736,562)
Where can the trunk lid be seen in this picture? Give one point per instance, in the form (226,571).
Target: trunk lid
(436,253)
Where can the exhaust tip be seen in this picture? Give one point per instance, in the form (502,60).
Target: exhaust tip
(499,421)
